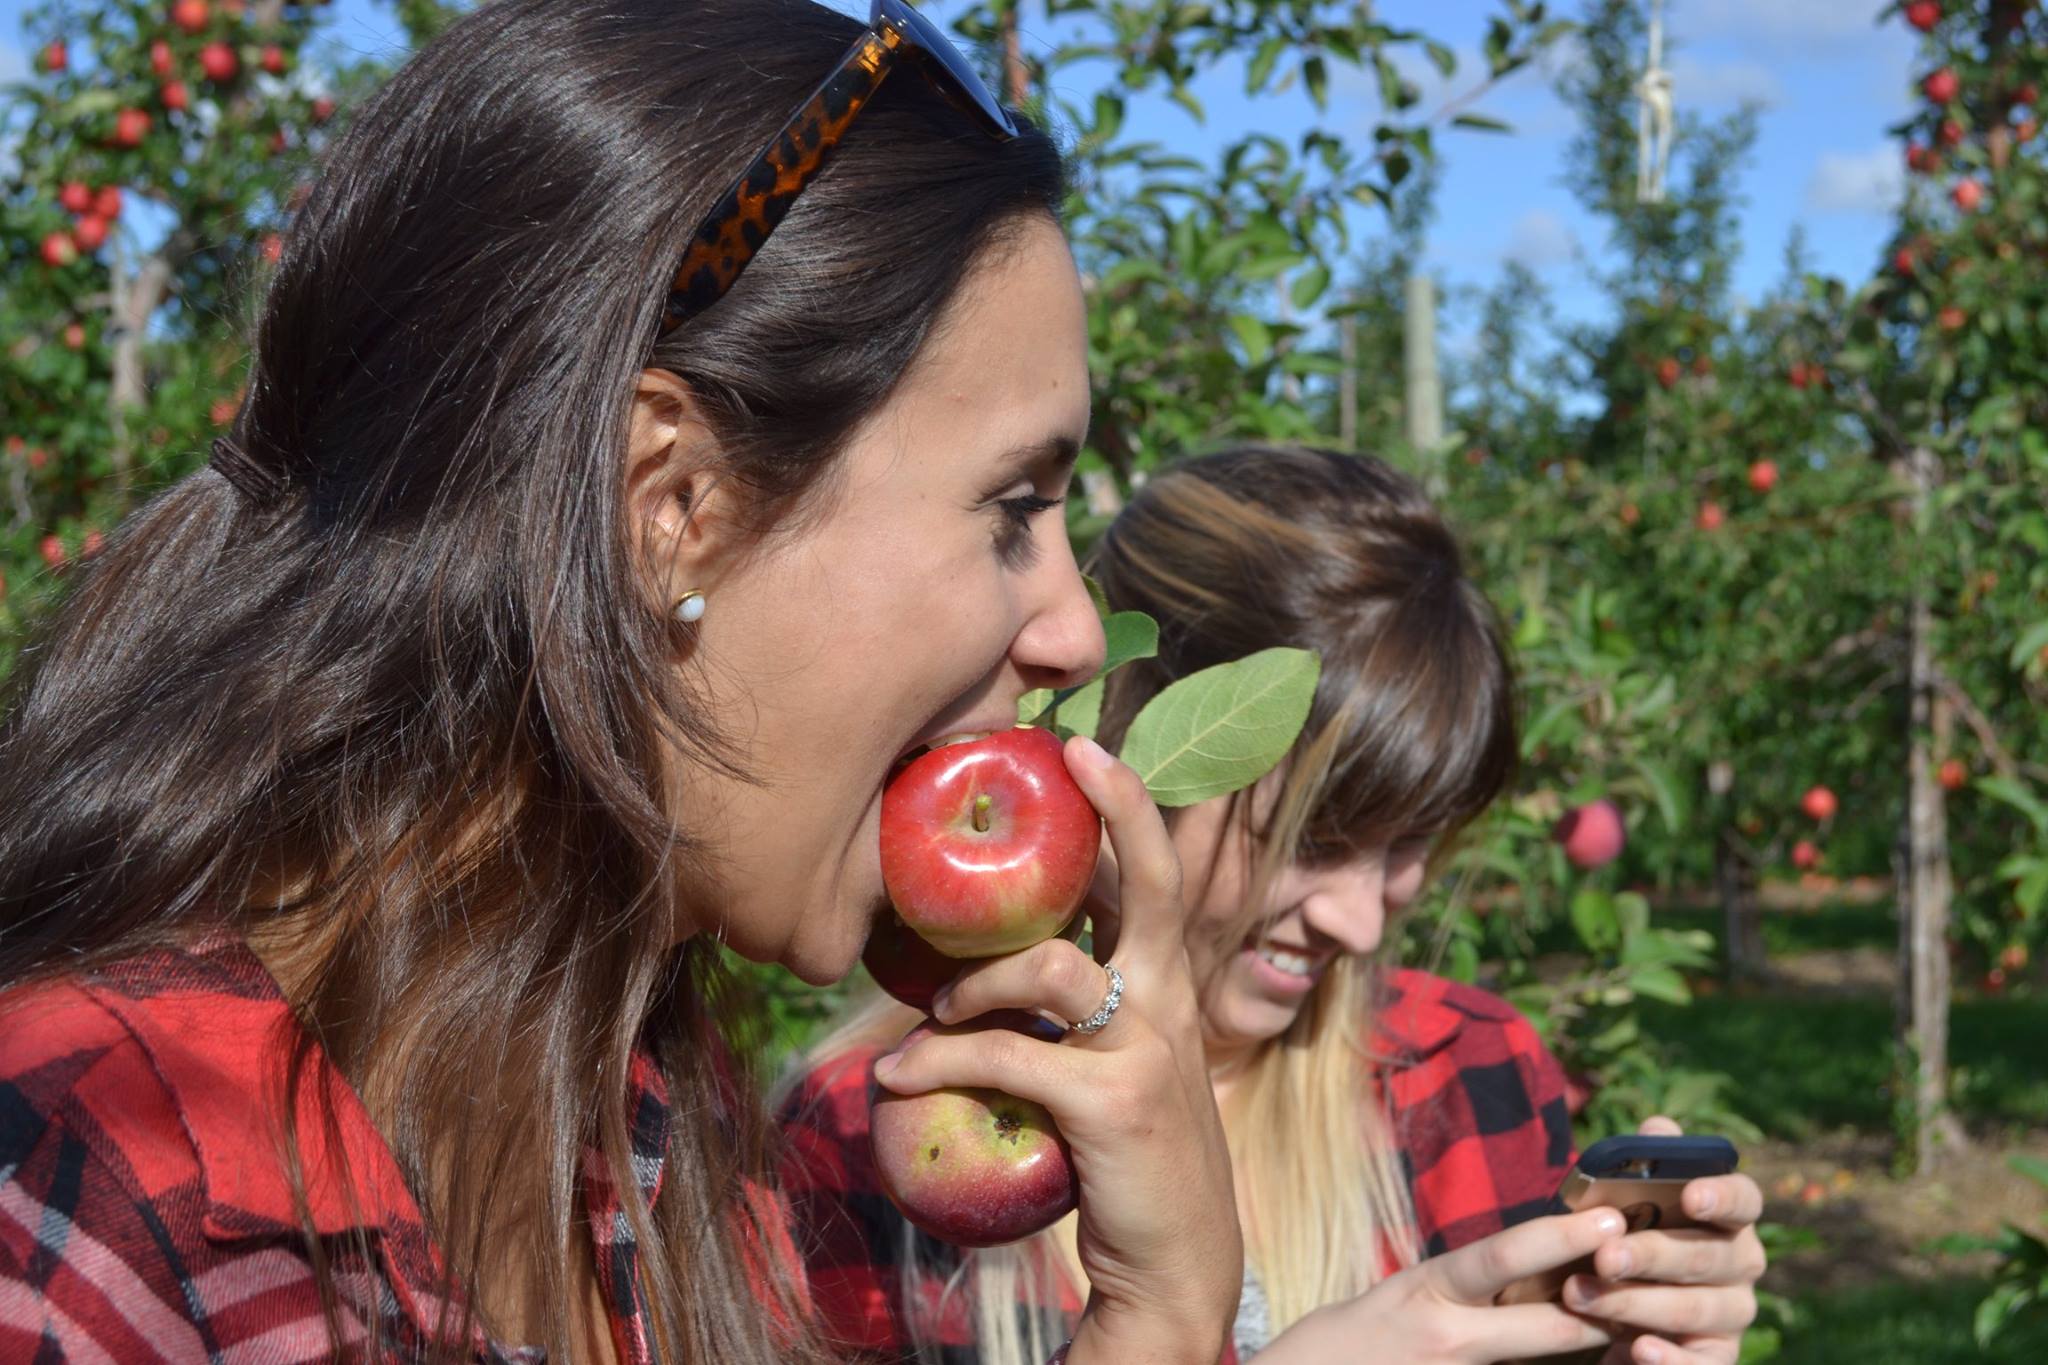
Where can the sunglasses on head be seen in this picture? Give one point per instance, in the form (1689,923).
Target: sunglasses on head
(745,214)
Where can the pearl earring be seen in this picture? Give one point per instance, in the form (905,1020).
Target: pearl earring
(690,607)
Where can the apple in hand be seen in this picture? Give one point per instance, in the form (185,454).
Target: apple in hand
(976,1168)
(912,970)
(988,846)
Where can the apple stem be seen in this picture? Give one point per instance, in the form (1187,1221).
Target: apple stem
(982,805)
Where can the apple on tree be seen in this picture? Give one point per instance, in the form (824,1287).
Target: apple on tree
(1819,804)
(1592,835)
(1805,855)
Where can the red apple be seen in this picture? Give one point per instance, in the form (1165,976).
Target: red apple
(1968,195)
(2026,129)
(1819,804)
(1902,261)
(55,57)
(37,457)
(1941,86)
(219,62)
(52,551)
(189,15)
(988,846)
(92,544)
(1805,855)
(160,57)
(976,1168)
(107,203)
(273,247)
(59,249)
(176,96)
(273,59)
(1630,514)
(1709,517)
(75,197)
(2014,958)
(278,143)
(905,965)
(1668,370)
(1953,775)
(1763,476)
(74,336)
(1994,981)
(223,411)
(323,109)
(90,232)
(1924,14)
(1951,319)
(1592,835)
(1922,159)
(130,127)
(2028,94)
(1950,133)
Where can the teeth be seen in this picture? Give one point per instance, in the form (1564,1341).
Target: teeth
(1294,964)
(961,738)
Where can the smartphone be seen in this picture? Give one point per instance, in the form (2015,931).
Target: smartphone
(1643,1177)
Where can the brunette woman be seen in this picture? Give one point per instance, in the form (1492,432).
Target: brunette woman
(617,444)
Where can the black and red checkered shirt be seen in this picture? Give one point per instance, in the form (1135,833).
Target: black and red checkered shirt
(1479,1111)
(145,1214)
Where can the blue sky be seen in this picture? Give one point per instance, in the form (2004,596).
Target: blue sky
(1829,76)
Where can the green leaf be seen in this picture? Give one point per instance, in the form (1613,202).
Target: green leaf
(1081,713)
(1594,920)
(1254,335)
(2032,1167)
(1309,285)
(1261,65)
(2031,642)
(1130,635)
(1661,983)
(1223,728)
(1315,74)
(1481,123)
(1109,116)
(1031,707)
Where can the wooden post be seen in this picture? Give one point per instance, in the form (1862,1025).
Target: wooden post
(1016,76)
(1423,410)
(1925,885)
(1347,382)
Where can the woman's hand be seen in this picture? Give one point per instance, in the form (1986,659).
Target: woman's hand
(1158,1223)
(1442,1312)
(1681,1297)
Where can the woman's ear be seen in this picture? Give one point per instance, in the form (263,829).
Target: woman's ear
(672,505)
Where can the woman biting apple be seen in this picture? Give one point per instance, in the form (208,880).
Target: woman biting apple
(653,429)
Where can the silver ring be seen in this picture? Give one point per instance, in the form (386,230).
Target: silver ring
(1094,1022)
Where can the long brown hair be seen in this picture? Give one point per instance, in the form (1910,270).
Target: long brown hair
(420,703)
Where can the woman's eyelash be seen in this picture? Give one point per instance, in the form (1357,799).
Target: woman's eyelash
(1020,510)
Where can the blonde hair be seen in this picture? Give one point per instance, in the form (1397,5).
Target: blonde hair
(1412,731)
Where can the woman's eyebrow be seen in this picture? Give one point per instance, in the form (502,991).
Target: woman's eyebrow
(1054,455)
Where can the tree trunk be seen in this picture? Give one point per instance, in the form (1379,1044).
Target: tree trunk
(1741,911)
(1423,410)
(1925,886)
(1347,391)
(1016,76)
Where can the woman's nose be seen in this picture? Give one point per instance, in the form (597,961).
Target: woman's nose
(1350,908)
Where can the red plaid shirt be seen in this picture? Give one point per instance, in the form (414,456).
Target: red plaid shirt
(145,1214)
(1479,1112)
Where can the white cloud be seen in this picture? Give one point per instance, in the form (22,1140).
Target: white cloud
(1540,238)
(1871,181)
(1695,83)
(1801,21)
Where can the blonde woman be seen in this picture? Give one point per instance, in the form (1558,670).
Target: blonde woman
(1395,1137)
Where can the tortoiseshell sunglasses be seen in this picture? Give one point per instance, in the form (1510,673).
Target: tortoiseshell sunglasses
(744,216)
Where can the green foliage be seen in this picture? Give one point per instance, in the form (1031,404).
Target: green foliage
(2016,1309)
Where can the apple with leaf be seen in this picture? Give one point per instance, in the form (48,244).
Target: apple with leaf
(989,847)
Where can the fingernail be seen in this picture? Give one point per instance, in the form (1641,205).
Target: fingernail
(1624,1262)
(1578,1291)
(1648,1351)
(940,1001)
(1706,1199)
(1611,1222)
(1093,754)
(886,1064)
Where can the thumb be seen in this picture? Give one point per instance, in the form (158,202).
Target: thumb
(1659,1126)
